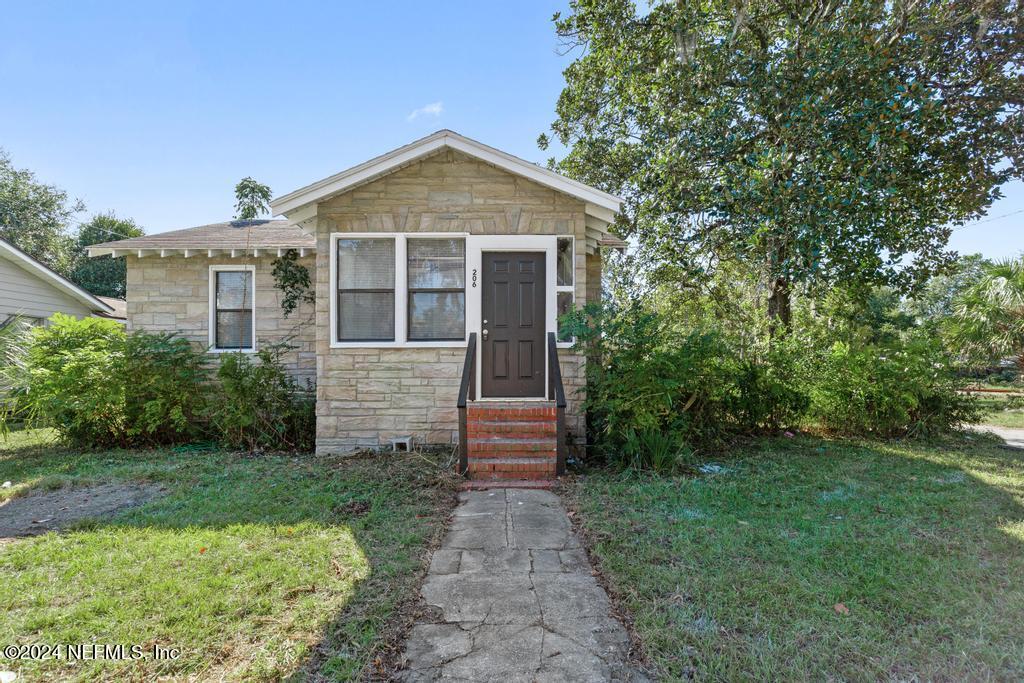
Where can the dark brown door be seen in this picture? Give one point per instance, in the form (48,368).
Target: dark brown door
(512,334)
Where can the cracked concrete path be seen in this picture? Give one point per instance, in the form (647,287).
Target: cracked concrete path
(514,599)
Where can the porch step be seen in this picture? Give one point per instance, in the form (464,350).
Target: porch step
(513,428)
(524,447)
(511,468)
(512,441)
(484,484)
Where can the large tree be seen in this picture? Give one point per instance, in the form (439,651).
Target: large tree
(35,217)
(818,143)
(103,275)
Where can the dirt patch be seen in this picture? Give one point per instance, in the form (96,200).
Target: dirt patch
(38,513)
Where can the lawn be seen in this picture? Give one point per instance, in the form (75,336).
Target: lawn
(256,567)
(1001,410)
(814,560)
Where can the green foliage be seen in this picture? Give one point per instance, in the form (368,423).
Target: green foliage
(166,388)
(103,275)
(815,144)
(261,406)
(906,387)
(651,381)
(653,450)
(661,386)
(35,216)
(988,318)
(252,199)
(292,278)
(99,386)
(934,303)
(74,381)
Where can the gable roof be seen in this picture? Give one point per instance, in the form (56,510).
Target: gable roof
(46,274)
(600,205)
(254,235)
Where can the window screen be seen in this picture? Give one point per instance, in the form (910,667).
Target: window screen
(234,321)
(437,294)
(366,290)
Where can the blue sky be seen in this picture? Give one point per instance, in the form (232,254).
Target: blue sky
(155,111)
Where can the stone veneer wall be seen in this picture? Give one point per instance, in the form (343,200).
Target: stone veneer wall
(367,396)
(172,295)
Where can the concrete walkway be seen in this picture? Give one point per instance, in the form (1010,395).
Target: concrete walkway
(514,599)
(1014,438)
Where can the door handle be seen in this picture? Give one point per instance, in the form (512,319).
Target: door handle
(483,333)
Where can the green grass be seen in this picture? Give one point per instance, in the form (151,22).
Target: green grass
(1002,411)
(254,566)
(737,576)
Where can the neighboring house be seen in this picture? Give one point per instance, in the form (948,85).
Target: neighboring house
(31,291)
(439,270)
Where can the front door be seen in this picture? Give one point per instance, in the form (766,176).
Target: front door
(512,331)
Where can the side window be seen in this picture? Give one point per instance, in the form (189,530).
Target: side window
(234,315)
(565,284)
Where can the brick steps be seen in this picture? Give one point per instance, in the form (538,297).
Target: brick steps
(513,443)
(484,484)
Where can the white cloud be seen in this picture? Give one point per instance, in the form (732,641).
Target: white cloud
(432,109)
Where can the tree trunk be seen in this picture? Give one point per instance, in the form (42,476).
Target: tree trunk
(780,312)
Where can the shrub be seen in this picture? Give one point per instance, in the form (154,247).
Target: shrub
(646,378)
(906,387)
(261,406)
(73,380)
(166,388)
(99,386)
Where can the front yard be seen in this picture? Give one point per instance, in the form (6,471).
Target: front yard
(256,567)
(804,559)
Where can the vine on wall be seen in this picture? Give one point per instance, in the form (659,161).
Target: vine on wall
(292,278)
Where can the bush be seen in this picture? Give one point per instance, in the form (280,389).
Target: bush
(261,406)
(166,388)
(657,389)
(73,380)
(101,387)
(907,387)
(647,381)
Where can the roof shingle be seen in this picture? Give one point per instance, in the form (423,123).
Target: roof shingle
(255,234)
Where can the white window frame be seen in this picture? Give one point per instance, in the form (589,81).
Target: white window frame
(571,289)
(401,340)
(475,246)
(213,306)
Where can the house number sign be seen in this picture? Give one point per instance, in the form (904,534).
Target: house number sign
(474,277)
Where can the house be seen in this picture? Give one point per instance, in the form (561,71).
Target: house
(32,292)
(439,271)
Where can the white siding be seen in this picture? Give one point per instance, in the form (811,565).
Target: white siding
(24,293)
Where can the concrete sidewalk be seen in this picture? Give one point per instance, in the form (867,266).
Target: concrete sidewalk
(514,599)
(1014,438)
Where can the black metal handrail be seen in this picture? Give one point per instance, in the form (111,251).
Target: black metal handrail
(556,393)
(467,388)
(467,392)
